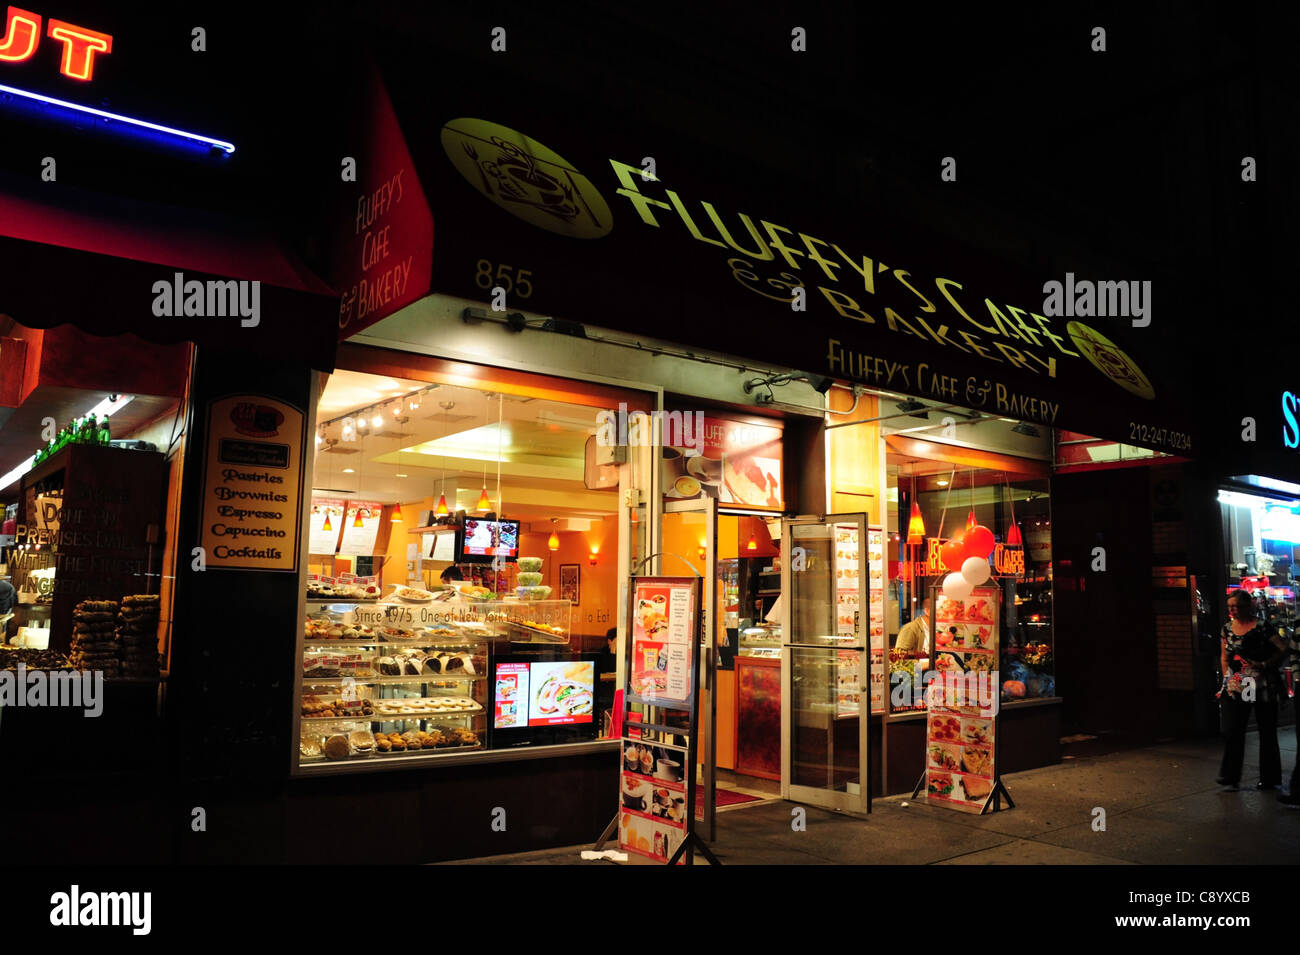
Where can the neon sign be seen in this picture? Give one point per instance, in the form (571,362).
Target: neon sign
(80,44)
(1290,428)
(1008,561)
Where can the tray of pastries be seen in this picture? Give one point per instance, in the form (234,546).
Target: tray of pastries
(425,707)
(415,741)
(315,708)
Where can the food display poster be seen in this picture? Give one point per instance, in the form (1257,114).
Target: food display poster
(654,799)
(732,461)
(664,623)
(961,722)
(319,539)
(848,608)
(510,698)
(360,541)
(876,599)
(562,692)
(252,484)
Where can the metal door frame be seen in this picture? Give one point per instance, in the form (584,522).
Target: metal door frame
(822,798)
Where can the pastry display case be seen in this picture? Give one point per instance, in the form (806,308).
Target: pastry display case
(408,679)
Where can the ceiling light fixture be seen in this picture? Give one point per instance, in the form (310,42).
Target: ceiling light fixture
(553,542)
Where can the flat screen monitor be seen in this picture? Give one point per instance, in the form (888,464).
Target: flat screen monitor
(485,541)
(540,701)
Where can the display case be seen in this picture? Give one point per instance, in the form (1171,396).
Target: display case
(761,641)
(398,679)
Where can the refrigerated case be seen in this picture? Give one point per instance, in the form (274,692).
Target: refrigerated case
(385,681)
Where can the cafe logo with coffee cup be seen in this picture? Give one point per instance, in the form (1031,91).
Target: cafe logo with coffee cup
(526,179)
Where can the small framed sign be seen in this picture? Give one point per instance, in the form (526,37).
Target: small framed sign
(569,582)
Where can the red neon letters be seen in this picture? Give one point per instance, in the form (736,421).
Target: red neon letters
(23,32)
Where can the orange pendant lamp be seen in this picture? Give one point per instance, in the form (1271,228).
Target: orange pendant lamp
(1013,536)
(484,502)
(553,542)
(441,509)
(357,522)
(915,525)
(397,513)
(327,526)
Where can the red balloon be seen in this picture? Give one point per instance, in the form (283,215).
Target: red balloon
(979,542)
(953,551)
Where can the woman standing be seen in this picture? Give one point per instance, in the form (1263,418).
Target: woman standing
(1248,658)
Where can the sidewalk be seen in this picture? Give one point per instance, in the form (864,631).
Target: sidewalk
(1161,805)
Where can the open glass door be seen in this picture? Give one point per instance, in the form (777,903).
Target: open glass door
(824,673)
(689,533)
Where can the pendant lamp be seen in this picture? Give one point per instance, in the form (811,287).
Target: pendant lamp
(357,522)
(327,526)
(397,513)
(553,542)
(441,509)
(753,543)
(484,503)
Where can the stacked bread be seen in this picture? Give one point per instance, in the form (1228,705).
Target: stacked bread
(137,636)
(94,642)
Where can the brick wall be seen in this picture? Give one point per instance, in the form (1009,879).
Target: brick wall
(1174,652)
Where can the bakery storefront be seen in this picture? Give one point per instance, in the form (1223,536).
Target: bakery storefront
(550,261)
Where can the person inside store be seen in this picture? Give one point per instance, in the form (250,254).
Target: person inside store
(1248,659)
(606,671)
(451,573)
(914,637)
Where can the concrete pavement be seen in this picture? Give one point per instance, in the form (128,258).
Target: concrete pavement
(1161,807)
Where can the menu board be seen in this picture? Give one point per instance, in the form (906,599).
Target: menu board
(962,703)
(319,539)
(360,541)
(510,699)
(252,484)
(848,611)
(735,462)
(656,773)
(663,627)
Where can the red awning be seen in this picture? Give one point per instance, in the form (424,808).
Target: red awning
(93,260)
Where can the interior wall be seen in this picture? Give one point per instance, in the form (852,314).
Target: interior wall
(597,609)
(853,456)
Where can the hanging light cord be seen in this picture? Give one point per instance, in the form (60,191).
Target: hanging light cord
(944,513)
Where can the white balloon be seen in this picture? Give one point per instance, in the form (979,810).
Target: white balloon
(957,587)
(975,570)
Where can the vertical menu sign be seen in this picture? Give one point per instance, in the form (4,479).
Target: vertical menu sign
(655,793)
(960,763)
(252,484)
